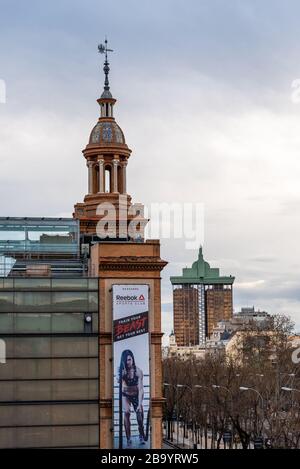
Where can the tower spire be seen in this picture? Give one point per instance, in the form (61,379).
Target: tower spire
(103,49)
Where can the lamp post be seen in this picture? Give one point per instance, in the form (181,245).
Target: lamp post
(244,388)
(193,422)
(199,386)
(176,405)
(219,386)
(291,390)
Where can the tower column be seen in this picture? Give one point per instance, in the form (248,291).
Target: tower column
(124,165)
(90,176)
(101,173)
(115,173)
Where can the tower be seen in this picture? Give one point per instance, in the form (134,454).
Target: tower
(124,261)
(107,156)
(201,298)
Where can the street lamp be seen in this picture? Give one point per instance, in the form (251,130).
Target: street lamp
(193,411)
(219,386)
(291,375)
(244,388)
(176,405)
(284,388)
(201,386)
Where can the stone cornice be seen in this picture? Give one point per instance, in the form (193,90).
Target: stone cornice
(131,263)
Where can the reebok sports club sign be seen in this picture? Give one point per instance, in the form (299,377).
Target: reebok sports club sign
(131,381)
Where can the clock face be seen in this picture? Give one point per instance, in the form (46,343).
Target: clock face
(107,133)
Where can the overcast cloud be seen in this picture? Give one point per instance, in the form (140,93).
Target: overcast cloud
(204,93)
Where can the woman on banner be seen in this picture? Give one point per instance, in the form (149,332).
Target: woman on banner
(132,394)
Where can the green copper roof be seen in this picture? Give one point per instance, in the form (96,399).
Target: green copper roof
(201,272)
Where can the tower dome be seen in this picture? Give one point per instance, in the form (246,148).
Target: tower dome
(106,132)
(107,155)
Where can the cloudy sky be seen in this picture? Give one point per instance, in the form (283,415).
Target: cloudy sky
(207,104)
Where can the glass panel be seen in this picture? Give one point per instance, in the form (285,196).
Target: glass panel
(45,323)
(32,323)
(93,284)
(32,301)
(51,346)
(38,235)
(49,414)
(49,437)
(95,322)
(74,368)
(48,390)
(70,301)
(75,346)
(6,323)
(25,369)
(93,301)
(32,283)
(67,322)
(73,390)
(56,368)
(6,282)
(73,283)
(6,301)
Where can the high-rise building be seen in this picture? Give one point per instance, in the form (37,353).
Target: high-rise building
(201,298)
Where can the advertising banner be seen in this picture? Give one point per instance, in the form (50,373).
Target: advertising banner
(131,367)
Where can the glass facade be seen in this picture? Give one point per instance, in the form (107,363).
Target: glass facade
(49,384)
(29,238)
(38,235)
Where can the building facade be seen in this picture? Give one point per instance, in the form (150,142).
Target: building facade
(201,298)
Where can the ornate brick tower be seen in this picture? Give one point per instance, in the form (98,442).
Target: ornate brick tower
(107,157)
(125,260)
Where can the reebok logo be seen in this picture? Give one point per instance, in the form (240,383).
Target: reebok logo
(130,298)
(127,297)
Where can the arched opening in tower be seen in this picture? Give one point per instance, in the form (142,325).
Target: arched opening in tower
(96,179)
(108,178)
(120,180)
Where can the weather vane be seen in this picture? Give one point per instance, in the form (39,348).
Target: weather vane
(103,49)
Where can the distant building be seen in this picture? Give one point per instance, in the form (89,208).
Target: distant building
(251,314)
(183,352)
(224,337)
(201,298)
